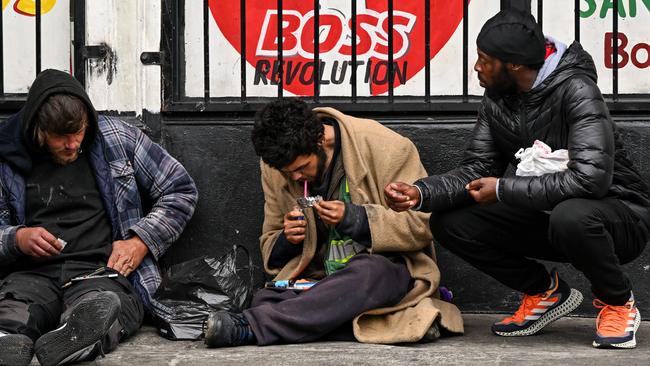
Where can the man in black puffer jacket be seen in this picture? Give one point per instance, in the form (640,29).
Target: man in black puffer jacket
(595,214)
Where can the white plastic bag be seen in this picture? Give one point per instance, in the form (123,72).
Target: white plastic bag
(539,159)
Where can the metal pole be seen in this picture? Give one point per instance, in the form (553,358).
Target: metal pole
(242,28)
(523,5)
(38,37)
(206,53)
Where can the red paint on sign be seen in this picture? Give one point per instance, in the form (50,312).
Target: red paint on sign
(334,38)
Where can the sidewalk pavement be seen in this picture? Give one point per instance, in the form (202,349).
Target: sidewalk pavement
(565,342)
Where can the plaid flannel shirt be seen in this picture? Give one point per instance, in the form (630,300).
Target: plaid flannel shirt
(127,164)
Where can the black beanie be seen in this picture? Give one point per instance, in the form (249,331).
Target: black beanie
(513,36)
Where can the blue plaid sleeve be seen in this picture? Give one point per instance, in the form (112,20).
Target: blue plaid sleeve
(169,187)
(9,251)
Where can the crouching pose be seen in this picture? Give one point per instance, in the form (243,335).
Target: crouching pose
(594,214)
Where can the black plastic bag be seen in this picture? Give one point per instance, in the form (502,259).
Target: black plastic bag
(191,290)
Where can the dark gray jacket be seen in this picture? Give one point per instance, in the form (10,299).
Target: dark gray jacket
(566,111)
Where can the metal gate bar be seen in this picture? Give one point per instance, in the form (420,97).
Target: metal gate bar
(174,74)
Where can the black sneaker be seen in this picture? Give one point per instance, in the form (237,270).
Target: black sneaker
(538,311)
(433,333)
(226,329)
(80,339)
(15,349)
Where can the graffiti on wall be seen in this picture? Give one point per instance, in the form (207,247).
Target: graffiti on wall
(28,7)
(633,49)
(298,69)
(334,70)
(596,18)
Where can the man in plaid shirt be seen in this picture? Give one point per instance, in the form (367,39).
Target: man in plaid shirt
(88,204)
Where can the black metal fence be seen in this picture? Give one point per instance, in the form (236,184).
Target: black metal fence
(175,100)
(173,73)
(174,64)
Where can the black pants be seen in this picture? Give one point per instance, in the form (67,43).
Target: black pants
(327,309)
(595,236)
(33,303)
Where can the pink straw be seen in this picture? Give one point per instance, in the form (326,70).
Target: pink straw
(305,192)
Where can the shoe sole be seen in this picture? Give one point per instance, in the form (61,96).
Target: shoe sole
(574,300)
(87,324)
(16,350)
(625,345)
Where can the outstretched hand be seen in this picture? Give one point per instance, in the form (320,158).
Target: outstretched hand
(483,190)
(401,196)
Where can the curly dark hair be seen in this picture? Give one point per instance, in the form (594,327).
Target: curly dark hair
(285,129)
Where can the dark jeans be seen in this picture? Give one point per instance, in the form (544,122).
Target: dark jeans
(595,236)
(33,303)
(327,309)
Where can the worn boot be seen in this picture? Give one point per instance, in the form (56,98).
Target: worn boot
(226,329)
(80,338)
(433,333)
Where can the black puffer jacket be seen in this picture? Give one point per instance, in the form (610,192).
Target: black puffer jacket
(566,111)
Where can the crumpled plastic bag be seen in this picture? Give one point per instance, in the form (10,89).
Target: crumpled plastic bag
(539,159)
(191,290)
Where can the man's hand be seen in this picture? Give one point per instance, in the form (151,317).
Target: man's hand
(37,242)
(483,190)
(401,196)
(294,226)
(127,255)
(331,212)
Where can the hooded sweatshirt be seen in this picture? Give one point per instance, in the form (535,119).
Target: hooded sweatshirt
(63,199)
(17,143)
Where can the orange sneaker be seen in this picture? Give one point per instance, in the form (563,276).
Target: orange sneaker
(537,311)
(616,326)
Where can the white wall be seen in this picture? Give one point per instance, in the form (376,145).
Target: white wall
(121,83)
(128,28)
(19,46)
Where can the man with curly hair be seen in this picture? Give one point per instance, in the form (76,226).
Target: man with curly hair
(377,278)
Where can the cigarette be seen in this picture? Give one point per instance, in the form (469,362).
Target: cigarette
(62,242)
(305,190)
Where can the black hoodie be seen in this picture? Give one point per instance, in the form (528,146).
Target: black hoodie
(17,143)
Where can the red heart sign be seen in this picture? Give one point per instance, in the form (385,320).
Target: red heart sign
(335,38)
